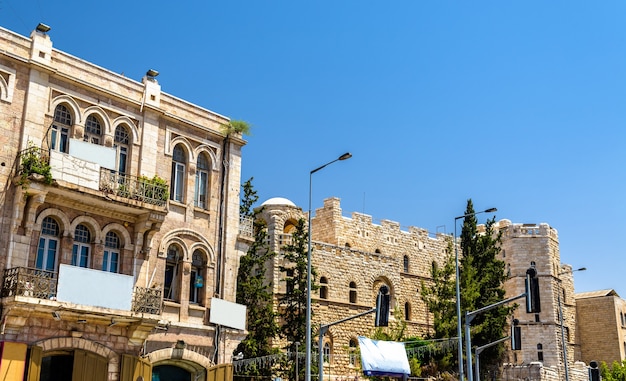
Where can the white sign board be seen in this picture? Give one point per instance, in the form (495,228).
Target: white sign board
(383,358)
(228,314)
(95,288)
(105,156)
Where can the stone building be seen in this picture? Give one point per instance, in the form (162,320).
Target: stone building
(536,246)
(353,258)
(601,318)
(112,256)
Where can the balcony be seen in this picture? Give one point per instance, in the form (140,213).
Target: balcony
(41,284)
(246,226)
(151,191)
(73,180)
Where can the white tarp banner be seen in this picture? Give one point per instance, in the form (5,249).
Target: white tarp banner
(383,358)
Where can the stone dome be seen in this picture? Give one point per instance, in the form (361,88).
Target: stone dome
(278,201)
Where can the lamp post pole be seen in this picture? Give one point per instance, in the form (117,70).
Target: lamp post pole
(458,291)
(307,375)
(564,344)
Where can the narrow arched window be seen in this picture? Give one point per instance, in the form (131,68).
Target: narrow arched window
(202,182)
(171,282)
(179,161)
(122,145)
(197,277)
(327,353)
(353,292)
(81,249)
(93,130)
(111,255)
(353,352)
(406,263)
(48,245)
(60,130)
(323,288)
(539,352)
(407,311)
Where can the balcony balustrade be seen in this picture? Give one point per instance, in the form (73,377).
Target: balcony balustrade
(42,284)
(135,188)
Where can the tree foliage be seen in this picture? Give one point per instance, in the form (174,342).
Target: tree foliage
(294,302)
(440,298)
(482,276)
(254,291)
(440,295)
(616,372)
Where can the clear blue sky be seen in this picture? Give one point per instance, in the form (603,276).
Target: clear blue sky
(515,104)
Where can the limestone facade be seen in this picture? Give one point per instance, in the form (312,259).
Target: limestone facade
(354,257)
(601,317)
(116,261)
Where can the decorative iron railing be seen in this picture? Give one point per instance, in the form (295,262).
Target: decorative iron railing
(135,188)
(34,283)
(246,226)
(147,300)
(42,284)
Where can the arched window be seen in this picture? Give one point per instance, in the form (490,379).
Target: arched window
(323,288)
(539,352)
(60,130)
(93,130)
(353,352)
(407,311)
(179,161)
(121,145)
(406,263)
(170,284)
(48,244)
(82,246)
(196,277)
(327,353)
(111,258)
(352,292)
(202,182)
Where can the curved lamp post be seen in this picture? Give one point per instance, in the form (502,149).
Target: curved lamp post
(561,319)
(307,375)
(458,291)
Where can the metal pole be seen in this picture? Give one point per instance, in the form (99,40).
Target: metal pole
(477,366)
(458,306)
(297,359)
(468,347)
(307,375)
(563,337)
(320,365)
(458,290)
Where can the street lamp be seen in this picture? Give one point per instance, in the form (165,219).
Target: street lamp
(564,344)
(307,375)
(458,291)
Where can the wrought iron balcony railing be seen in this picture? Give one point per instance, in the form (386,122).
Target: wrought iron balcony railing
(144,189)
(34,283)
(147,300)
(42,284)
(246,226)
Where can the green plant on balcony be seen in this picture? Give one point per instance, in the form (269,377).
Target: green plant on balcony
(34,163)
(154,188)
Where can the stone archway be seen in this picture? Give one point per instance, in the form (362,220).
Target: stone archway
(194,363)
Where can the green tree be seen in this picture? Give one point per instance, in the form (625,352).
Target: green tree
(617,371)
(254,291)
(440,298)
(294,302)
(482,276)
